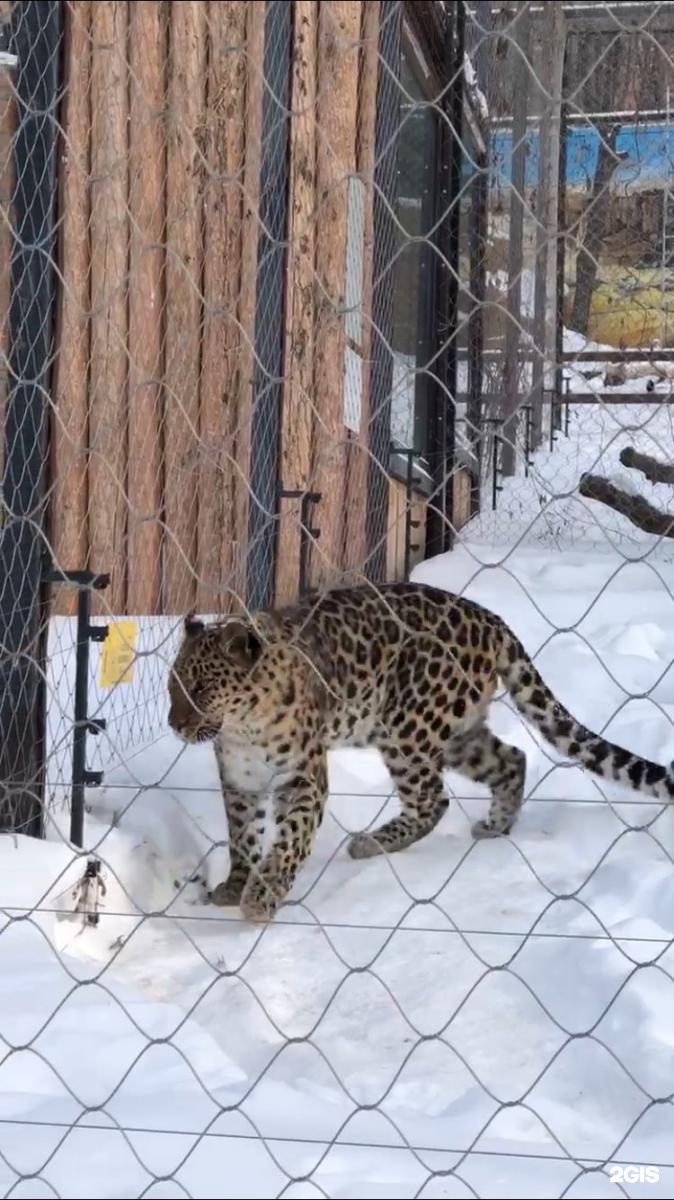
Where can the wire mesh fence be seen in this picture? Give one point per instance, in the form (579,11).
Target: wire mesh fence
(294,295)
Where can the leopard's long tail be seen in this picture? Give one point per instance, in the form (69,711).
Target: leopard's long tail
(541,707)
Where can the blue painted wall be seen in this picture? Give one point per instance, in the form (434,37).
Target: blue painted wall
(650,149)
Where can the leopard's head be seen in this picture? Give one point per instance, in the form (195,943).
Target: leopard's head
(211,681)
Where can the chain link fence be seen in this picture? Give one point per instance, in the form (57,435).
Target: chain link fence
(577,267)
(291,294)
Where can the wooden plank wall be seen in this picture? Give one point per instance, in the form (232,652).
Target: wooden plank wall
(184,265)
(332,141)
(158,243)
(158,247)
(355,548)
(336,101)
(148,36)
(70,394)
(109,233)
(299,400)
(223,148)
(240,409)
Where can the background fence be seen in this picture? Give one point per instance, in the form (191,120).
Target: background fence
(293,293)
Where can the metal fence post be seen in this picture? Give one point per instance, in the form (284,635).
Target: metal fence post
(86,582)
(269,312)
(455,62)
(512,366)
(561,272)
(385,242)
(36,37)
(440,518)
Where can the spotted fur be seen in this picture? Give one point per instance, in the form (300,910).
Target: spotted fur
(404,668)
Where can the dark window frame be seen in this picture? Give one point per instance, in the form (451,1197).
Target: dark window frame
(419,32)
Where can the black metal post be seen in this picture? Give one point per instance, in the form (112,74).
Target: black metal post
(81,712)
(519,33)
(555,408)
(36,28)
(496,487)
(478,261)
(567,413)
(528,436)
(83,724)
(387,122)
(269,313)
(456,105)
(440,513)
(308,533)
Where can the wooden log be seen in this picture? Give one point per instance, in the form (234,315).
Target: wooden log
(223,148)
(109,282)
(298,394)
(355,551)
(147,51)
(656,472)
(241,409)
(635,508)
(184,262)
(338,60)
(70,419)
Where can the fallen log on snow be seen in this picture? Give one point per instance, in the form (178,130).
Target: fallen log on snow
(635,508)
(657,472)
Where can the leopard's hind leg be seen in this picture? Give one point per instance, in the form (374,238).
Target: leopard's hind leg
(419,783)
(478,754)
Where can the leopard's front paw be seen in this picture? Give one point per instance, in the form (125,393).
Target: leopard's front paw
(488,829)
(228,892)
(260,899)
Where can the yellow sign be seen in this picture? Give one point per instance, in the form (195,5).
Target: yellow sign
(119,654)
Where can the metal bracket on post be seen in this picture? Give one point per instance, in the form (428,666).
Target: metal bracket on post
(528,437)
(560,411)
(82,778)
(555,405)
(307,531)
(567,413)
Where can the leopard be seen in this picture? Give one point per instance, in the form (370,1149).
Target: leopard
(405,668)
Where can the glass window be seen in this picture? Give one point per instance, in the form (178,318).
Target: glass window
(413,341)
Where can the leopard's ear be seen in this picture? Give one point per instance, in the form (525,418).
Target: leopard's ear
(192,626)
(240,639)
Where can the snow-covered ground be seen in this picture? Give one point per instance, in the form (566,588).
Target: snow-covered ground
(135,712)
(543,508)
(485,1019)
